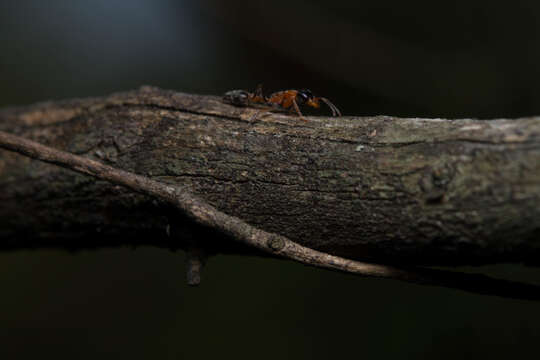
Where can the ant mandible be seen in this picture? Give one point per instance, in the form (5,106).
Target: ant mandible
(286,99)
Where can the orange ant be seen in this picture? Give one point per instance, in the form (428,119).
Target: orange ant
(286,99)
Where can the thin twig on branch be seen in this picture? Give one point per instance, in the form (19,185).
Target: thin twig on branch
(205,214)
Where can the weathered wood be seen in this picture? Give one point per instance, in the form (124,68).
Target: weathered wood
(425,191)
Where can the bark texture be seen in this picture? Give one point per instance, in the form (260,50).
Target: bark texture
(385,189)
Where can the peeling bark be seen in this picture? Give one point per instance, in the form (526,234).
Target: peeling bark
(385,189)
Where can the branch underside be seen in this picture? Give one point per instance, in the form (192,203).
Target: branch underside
(384,189)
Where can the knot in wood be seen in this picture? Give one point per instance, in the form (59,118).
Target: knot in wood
(435,182)
(275,243)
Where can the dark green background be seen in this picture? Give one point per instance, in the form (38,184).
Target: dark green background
(428,59)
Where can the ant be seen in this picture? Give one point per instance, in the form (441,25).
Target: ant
(286,99)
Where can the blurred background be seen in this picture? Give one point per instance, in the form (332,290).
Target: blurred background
(459,59)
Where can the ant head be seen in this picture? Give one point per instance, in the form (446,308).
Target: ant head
(303,96)
(236,97)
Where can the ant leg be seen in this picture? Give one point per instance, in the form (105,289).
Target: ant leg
(258,95)
(254,116)
(259,91)
(298,110)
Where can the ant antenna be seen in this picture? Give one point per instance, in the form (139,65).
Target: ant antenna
(335,110)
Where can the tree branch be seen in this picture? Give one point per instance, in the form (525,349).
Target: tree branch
(274,244)
(380,189)
(374,189)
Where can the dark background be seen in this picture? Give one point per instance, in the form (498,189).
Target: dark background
(473,59)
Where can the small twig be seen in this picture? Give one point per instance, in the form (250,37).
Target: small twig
(205,214)
(195,259)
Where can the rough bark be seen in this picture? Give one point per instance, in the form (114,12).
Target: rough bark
(422,191)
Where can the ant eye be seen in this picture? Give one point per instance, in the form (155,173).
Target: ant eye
(303,95)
